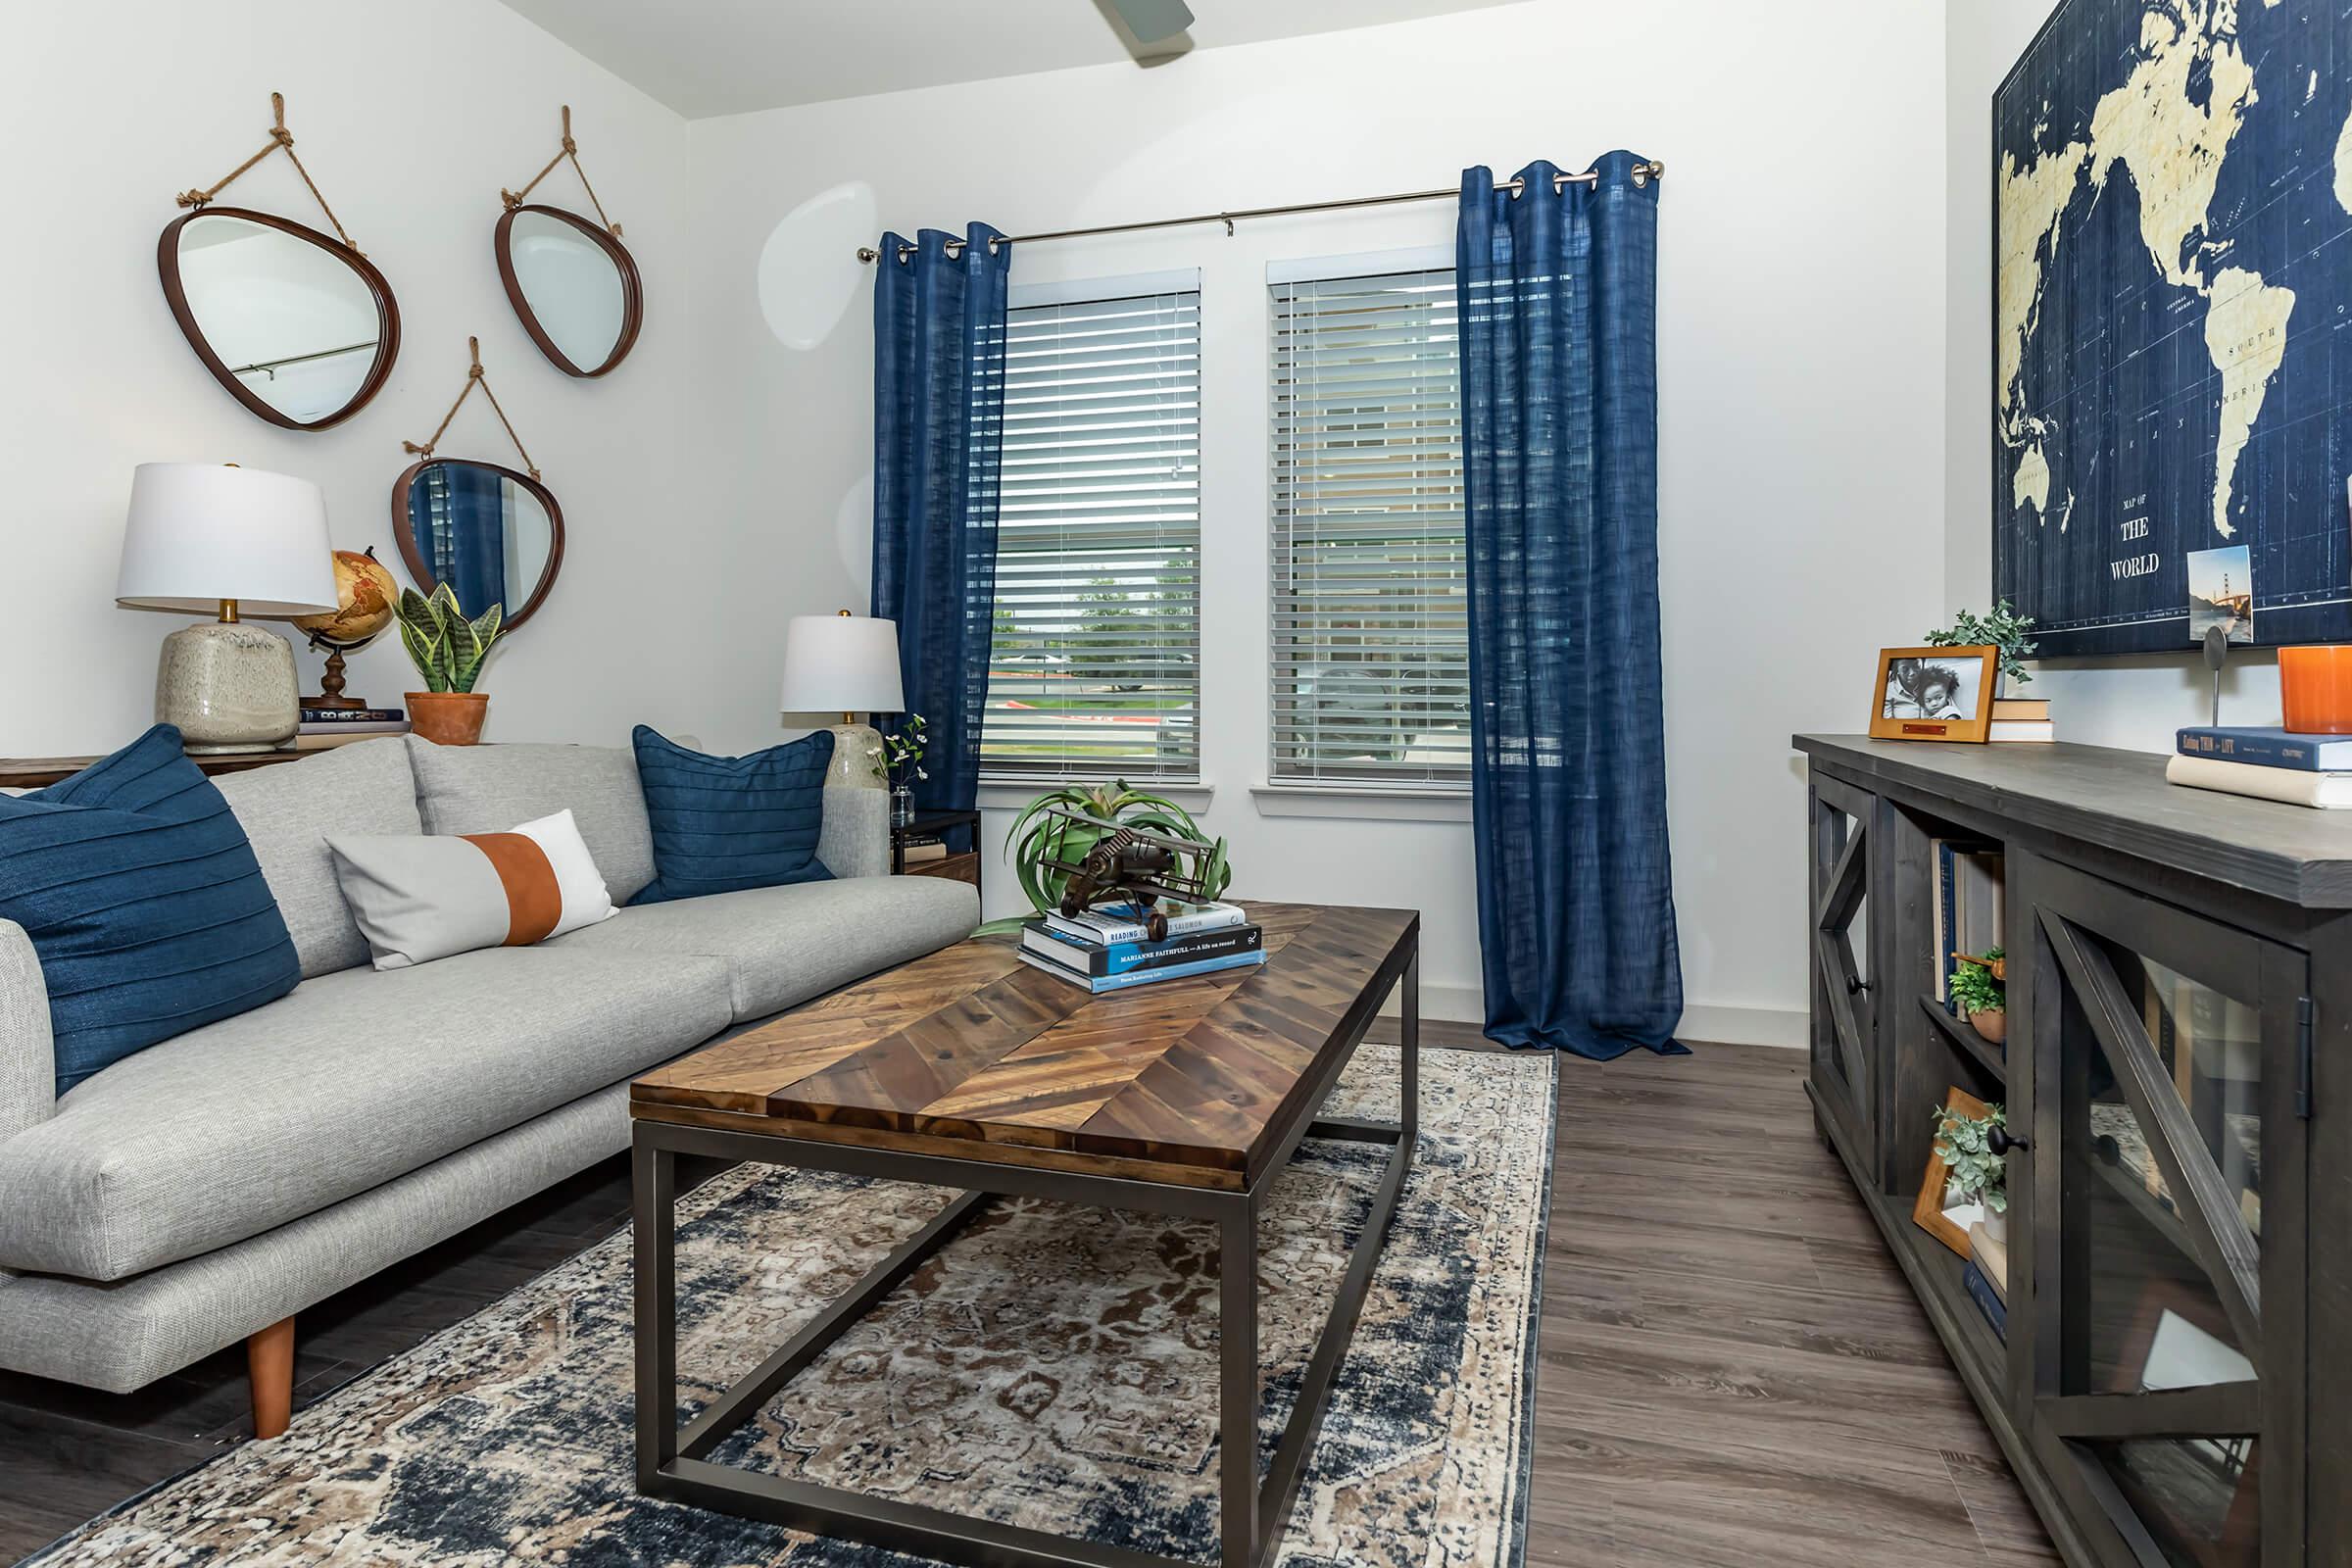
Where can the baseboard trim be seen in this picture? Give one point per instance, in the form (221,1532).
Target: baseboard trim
(1784,1027)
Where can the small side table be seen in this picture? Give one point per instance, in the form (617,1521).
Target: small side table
(963,867)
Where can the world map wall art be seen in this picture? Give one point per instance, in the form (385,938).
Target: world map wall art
(2172,324)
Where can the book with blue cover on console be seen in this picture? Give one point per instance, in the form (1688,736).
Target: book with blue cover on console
(2265,747)
(1099,985)
(1095,958)
(1118,922)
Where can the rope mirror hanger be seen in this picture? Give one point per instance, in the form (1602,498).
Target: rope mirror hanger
(318,360)
(463,517)
(584,321)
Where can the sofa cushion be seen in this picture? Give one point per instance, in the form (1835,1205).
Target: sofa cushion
(487,789)
(785,945)
(356,1078)
(288,811)
(722,825)
(144,902)
(431,895)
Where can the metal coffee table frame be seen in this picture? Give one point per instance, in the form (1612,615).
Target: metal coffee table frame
(672,1463)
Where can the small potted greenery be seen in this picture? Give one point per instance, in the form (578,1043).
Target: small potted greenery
(1984,1000)
(448,651)
(2000,627)
(1037,837)
(898,762)
(1977,1173)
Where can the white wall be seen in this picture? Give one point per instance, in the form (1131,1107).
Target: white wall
(411,118)
(2136,703)
(1801,340)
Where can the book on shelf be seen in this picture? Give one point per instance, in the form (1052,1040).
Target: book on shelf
(1093,959)
(372,727)
(1991,1258)
(2267,748)
(1113,924)
(1102,984)
(343,718)
(2326,791)
(2022,729)
(1988,1301)
(2024,710)
(1968,907)
(918,851)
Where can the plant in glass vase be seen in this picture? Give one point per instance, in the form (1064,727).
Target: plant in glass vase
(900,760)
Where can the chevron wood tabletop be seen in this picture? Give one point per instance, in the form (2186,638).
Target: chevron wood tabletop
(971,1053)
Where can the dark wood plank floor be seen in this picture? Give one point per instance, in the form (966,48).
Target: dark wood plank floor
(1732,1372)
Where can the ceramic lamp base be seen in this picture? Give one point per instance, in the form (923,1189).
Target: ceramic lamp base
(227,686)
(856,758)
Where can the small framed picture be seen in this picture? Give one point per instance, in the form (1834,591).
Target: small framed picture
(1933,693)
(1932,1211)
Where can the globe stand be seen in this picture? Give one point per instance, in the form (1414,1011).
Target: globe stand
(330,683)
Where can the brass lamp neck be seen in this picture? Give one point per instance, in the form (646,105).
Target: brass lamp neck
(229,611)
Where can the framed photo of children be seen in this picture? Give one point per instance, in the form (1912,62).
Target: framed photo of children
(1933,693)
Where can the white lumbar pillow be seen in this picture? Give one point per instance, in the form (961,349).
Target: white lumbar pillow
(417,898)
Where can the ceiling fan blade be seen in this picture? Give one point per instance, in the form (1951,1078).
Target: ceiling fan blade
(1151,21)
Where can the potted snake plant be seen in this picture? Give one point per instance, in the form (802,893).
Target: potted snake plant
(448,651)
(1037,836)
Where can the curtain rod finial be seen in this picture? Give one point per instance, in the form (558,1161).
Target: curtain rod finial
(866,252)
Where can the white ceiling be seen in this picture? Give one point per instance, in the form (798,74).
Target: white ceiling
(725,57)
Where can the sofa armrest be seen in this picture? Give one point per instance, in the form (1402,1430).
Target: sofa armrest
(27,1063)
(855,838)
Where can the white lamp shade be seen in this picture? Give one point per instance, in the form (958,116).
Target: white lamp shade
(842,665)
(201,532)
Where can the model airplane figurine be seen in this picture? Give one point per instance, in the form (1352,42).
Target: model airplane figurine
(1134,866)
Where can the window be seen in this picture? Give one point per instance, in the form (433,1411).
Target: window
(1095,664)
(1371,655)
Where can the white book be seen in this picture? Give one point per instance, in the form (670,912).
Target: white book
(2022,729)
(2328,792)
(1111,924)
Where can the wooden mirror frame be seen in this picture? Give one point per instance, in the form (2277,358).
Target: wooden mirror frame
(387,313)
(413,557)
(632,288)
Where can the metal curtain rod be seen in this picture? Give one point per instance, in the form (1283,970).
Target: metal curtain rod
(1643,174)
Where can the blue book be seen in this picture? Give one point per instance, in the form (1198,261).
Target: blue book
(2268,748)
(1988,1301)
(1096,960)
(1141,977)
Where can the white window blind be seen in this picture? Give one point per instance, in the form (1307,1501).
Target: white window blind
(1095,664)
(1370,649)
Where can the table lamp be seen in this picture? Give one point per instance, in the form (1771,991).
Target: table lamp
(846,664)
(235,542)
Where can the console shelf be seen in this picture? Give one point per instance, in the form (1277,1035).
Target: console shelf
(2179,1267)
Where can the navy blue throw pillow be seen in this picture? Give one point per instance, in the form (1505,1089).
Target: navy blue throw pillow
(144,903)
(724,823)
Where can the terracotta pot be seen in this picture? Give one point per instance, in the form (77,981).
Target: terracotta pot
(448,718)
(1993,1026)
(2315,687)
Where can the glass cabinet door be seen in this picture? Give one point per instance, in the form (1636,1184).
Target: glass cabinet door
(2163,1113)
(1845,1013)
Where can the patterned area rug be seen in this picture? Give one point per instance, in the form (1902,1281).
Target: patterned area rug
(1053,1366)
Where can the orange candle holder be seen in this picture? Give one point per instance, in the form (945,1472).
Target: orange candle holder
(2315,687)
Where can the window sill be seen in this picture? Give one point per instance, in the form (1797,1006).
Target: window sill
(1364,802)
(1000,793)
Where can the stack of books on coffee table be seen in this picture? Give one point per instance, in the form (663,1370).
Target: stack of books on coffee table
(2271,765)
(1109,948)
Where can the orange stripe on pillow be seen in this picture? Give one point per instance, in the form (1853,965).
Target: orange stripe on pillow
(534,897)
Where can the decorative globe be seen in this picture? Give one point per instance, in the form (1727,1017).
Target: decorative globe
(365,593)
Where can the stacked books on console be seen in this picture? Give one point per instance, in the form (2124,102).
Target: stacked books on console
(323,728)
(2022,718)
(2271,765)
(1108,949)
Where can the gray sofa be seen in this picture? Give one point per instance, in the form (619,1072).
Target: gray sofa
(206,1190)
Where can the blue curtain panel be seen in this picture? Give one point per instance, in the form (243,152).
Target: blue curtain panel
(144,903)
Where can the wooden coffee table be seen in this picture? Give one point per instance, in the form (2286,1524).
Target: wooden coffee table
(969,1069)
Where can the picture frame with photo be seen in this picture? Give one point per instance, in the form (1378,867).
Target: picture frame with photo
(1934,694)
(1927,1212)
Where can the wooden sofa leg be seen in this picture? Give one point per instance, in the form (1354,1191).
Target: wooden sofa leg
(270,1366)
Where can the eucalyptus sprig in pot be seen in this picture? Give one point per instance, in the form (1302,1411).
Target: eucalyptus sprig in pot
(448,651)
